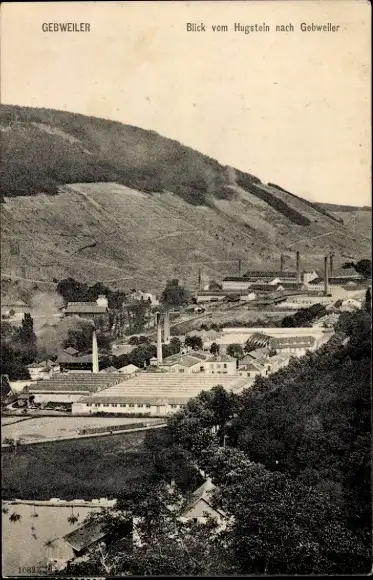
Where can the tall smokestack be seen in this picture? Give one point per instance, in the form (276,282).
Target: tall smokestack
(282,263)
(331,264)
(298,268)
(159,339)
(199,279)
(326,276)
(239,267)
(94,352)
(166,329)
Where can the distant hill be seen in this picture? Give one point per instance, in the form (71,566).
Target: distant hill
(99,200)
(334,208)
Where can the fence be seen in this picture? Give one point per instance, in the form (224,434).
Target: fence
(112,428)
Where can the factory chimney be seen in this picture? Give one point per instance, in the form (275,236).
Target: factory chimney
(94,352)
(331,265)
(166,329)
(326,276)
(199,279)
(282,263)
(239,268)
(159,340)
(298,268)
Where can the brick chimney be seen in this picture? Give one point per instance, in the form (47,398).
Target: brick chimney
(166,329)
(326,276)
(159,340)
(298,268)
(95,368)
(282,262)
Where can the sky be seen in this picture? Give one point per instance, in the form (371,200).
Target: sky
(292,108)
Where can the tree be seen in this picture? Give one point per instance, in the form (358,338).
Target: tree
(215,348)
(174,294)
(194,342)
(235,350)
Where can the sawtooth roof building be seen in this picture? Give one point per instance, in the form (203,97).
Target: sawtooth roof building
(154,394)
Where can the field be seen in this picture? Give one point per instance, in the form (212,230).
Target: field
(50,427)
(85,468)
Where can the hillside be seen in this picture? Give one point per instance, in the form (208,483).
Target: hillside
(99,200)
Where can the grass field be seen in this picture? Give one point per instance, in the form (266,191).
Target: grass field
(86,468)
(49,427)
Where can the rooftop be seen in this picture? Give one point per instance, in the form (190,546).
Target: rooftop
(270,274)
(203,493)
(77,382)
(84,536)
(71,350)
(85,308)
(10,302)
(292,341)
(221,358)
(167,387)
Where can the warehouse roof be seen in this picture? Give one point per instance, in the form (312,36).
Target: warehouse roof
(85,308)
(169,386)
(270,274)
(185,360)
(78,382)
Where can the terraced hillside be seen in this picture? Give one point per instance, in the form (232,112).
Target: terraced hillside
(99,200)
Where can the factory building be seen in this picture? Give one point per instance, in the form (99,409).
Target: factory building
(70,387)
(153,394)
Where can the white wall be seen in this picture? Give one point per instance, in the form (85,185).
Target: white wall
(235,284)
(154,410)
(58,397)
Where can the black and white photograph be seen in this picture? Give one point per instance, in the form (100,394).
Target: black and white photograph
(186,246)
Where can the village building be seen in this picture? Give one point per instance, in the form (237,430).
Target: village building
(97,311)
(181,364)
(297,345)
(14,308)
(43,370)
(200,506)
(129,369)
(251,369)
(220,364)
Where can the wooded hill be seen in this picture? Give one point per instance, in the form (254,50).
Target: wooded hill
(99,200)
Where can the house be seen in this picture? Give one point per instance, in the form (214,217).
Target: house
(75,363)
(221,364)
(251,369)
(14,308)
(97,311)
(200,506)
(298,345)
(75,544)
(129,369)
(181,364)
(43,370)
